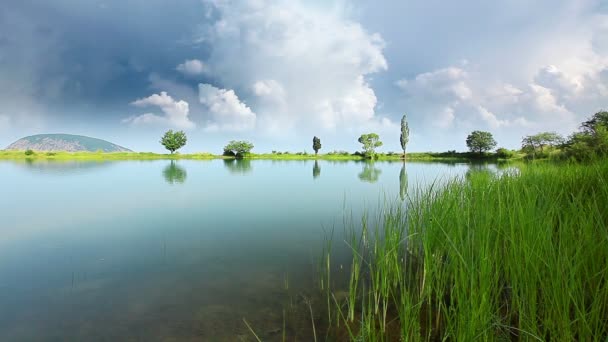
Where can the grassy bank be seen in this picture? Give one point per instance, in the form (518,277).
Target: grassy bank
(427,156)
(96,156)
(520,257)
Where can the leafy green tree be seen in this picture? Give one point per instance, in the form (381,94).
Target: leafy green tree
(599,119)
(532,143)
(592,140)
(316,144)
(370,142)
(174,173)
(480,141)
(238,148)
(405,134)
(173,141)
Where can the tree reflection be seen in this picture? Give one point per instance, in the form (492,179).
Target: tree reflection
(238,165)
(316,170)
(370,174)
(478,170)
(174,174)
(403,183)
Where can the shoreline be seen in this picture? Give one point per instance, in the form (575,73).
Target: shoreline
(101,156)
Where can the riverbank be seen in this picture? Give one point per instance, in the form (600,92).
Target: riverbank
(520,256)
(345,156)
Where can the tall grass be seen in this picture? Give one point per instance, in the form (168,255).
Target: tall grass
(520,256)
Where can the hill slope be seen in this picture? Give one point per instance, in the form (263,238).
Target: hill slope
(64,142)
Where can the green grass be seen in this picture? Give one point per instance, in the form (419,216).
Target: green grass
(102,155)
(521,256)
(339,156)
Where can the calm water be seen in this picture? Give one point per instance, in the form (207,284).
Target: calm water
(182,251)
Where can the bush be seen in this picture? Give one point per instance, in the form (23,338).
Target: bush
(504,153)
(29,152)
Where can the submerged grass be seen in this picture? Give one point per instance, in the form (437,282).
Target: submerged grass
(520,256)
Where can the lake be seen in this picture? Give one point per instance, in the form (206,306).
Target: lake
(185,250)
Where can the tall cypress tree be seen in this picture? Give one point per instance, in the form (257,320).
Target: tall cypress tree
(405,134)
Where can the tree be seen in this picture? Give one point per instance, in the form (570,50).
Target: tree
(592,140)
(541,140)
(370,142)
(238,148)
(316,144)
(479,141)
(405,134)
(598,119)
(173,141)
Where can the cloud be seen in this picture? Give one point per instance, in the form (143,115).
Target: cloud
(192,67)
(175,113)
(300,65)
(445,84)
(228,113)
(455,97)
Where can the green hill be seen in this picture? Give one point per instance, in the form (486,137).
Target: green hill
(64,142)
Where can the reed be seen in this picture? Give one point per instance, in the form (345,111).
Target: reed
(517,256)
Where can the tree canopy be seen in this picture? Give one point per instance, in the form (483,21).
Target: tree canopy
(173,141)
(591,140)
(316,144)
(541,140)
(480,141)
(370,141)
(238,148)
(405,133)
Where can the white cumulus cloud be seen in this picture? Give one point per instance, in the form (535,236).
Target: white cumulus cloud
(226,110)
(192,67)
(299,64)
(175,113)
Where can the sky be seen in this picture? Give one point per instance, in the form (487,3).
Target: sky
(278,72)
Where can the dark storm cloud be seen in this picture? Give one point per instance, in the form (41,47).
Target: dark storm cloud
(99,52)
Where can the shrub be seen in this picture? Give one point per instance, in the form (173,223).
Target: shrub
(504,153)
(29,152)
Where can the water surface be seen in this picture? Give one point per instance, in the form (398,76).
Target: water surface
(168,251)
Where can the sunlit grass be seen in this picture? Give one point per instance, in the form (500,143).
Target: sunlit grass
(338,156)
(521,256)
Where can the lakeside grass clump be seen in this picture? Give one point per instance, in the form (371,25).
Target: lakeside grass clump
(520,256)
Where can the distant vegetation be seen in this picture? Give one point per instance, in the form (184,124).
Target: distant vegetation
(404,138)
(479,141)
(173,141)
(370,142)
(238,149)
(316,144)
(590,142)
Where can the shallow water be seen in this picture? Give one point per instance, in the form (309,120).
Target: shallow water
(178,251)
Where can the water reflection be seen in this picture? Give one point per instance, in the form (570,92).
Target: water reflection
(66,167)
(174,173)
(370,174)
(238,165)
(403,183)
(316,170)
